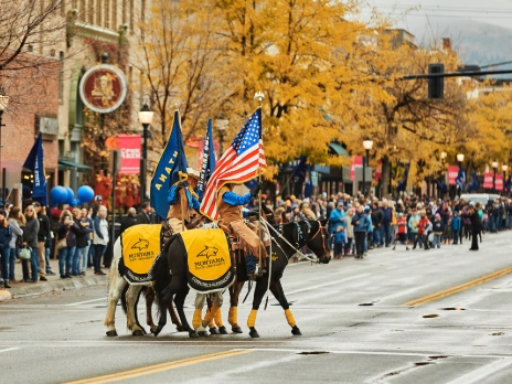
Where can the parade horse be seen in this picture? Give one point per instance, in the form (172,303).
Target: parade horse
(170,274)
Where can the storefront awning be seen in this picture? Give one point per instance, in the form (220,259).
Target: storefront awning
(66,164)
(338,149)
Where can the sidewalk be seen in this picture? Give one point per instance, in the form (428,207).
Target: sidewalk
(54,283)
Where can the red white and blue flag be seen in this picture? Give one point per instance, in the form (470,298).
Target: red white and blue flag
(244,160)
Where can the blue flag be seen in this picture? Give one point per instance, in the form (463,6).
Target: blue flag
(208,162)
(35,163)
(171,168)
(308,185)
(461,180)
(299,172)
(441,186)
(474,185)
(402,184)
(508,184)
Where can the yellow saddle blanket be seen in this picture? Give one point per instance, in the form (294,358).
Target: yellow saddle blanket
(141,245)
(209,259)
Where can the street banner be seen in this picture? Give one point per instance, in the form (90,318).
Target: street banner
(453,172)
(499,183)
(357,161)
(378,171)
(488,180)
(35,163)
(130,148)
(208,160)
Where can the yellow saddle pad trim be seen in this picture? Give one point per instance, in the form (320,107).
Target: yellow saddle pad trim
(208,253)
(141,245)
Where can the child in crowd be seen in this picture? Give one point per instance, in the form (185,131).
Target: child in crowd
(424,228)
(401,230)
(438,230)
(339,242)
(456,227)
(448,231)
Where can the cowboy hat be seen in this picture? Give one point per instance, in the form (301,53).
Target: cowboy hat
(191,172)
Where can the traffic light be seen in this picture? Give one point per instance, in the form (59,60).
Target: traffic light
(436,84)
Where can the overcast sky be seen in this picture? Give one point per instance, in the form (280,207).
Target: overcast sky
(497,12)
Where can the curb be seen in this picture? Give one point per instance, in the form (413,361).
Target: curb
(58,285)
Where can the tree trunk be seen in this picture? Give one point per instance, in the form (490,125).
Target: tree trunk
(386,176)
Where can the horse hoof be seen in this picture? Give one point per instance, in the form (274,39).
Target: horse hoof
(237,329)
(202,334)
(223,330)
(111,333)
(214,331)
(138,332)
(193,335)
(157,330)
(296,331)
(180,328)
(254,333)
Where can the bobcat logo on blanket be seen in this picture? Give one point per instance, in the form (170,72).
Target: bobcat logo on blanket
(141,246)
(210,268)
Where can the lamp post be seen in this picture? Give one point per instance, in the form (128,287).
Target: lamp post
(221,124)
(495,167)
(4,102)
(367,145)
(145,118)
(504,168)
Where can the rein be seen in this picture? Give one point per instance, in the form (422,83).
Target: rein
(320,231)
(302,256)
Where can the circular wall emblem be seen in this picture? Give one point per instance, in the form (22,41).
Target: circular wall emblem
(103,88)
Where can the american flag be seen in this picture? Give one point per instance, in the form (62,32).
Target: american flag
(244,160)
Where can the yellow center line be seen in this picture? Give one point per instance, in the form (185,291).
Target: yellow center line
(132,373)
(459,288)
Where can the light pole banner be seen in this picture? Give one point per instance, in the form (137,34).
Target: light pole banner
(453,172)
(357,161)
(488,180)
(130,149)
(499,182)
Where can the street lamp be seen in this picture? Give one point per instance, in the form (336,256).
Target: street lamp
(145,118)
(443,157)
(4,102)
(221,124)
(367,145)
(495,167)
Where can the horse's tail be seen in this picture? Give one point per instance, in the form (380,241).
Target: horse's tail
(124,304)
(161,271)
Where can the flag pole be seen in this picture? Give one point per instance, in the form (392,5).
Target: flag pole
(260,96)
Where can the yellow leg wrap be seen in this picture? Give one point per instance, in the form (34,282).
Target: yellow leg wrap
(196,320)
(233,316)
(251,321)
(290,318)
(218,318)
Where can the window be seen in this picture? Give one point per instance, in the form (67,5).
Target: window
(61,77)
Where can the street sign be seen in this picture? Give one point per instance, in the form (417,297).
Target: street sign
(103,88)
(314,178)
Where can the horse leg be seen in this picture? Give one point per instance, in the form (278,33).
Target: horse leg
(174,317)
(150,297)
(215,300)
(277,290)
(163,301)
(218,299)
(198,314)
(259,292)
(117,285)
(131,298)
(179,300)
(234,293)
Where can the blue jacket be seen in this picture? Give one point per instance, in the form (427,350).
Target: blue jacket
(339,237)
(364,222)
(5,236)
(335,220)
(438,226)
(173,197)
(234,200)
(387,216)
(456,223)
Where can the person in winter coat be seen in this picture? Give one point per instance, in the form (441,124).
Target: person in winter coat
(44,233)
(438,230)
(476,228)
(87,225)
(349,231)
(15,218)
(361,224)
(66,235)
(337,218)
(378,230)
(423,227)
(5,248)
(130,220)
(401,230)
(339,242)
(80,241)
(456,226)
(386,223)
(30,233)
(413,225)
(101,238)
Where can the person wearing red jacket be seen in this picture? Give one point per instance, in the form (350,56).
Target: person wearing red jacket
(424,227)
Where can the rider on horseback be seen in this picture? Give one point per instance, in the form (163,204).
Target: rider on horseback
(183,201)
(231,219)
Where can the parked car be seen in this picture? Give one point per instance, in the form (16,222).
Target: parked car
(482,198)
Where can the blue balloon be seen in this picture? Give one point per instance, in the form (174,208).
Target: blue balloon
(85,194)
(58,195)
(70,196)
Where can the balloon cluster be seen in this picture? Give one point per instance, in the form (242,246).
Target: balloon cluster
(65,195)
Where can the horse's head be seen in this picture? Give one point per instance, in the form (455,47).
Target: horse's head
(318,238)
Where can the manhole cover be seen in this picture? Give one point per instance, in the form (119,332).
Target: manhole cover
(432,316)
(423,363)
(366,304)
(498,334)
(453,309)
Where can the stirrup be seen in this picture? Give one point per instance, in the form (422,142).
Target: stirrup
(258,272)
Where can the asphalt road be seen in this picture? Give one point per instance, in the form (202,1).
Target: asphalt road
(60,337)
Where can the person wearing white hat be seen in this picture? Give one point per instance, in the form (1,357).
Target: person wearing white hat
(183,201)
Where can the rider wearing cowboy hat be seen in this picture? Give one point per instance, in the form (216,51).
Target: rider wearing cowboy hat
(183,201)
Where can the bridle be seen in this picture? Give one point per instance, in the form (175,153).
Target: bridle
(320,231)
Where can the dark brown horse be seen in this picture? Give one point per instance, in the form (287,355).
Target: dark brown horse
(285,242)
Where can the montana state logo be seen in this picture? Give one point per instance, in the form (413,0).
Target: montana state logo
(141,245)
(208,252)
